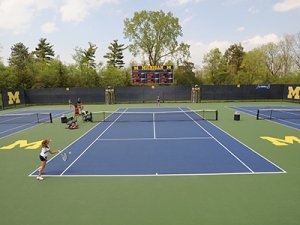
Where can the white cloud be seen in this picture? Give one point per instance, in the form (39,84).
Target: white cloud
(286,5)
(258,40)
(16,15)
(241,29)
(186,20)
(48,27)
(180,2)
(253,10)
(199,49)
(77,10)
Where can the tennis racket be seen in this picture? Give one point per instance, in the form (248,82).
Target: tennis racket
(64,156)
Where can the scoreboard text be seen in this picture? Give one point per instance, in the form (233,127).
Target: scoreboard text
(152,74)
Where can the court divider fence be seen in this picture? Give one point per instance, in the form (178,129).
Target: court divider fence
(139,94)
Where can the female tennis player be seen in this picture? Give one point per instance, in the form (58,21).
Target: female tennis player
(158,101)
(43,157)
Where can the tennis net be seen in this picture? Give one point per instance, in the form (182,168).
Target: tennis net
(26,118)
(273,114)
(190,115)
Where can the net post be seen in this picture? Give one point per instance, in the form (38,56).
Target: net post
(271,114)
(257,115)
(37,118)
(217,114)
(50,115)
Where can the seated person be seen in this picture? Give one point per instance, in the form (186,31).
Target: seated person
(72,123)
(86,116)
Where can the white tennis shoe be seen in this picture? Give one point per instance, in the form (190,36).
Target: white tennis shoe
(39,178)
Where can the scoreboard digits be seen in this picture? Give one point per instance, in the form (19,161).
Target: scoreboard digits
(152,74)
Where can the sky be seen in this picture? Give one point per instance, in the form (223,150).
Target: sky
(206,24)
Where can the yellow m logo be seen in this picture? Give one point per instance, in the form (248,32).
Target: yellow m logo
(23,144)
(13,98)
(293,92)
(282,142)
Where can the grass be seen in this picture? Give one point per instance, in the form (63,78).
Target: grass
(189,200)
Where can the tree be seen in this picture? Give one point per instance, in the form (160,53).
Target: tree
(234,56)
(184,74)
(51,74)
(88,58)
(296,49)
(286,46)
(115,56)
(20,62)
(154,34)
(273,59)
(44,51)
(112,76)
(253,68)
(215,67)
(86,63)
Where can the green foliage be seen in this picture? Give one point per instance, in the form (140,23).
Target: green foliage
(88,58)
(253,68)
(115,56)
(155,34)
(20,63)
(52,74)
(112,76)
(7,80)
(184,74)
(44,51)
(234,57)
(215,68)
(86,64)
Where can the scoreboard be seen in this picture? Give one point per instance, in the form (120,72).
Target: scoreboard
(152,74)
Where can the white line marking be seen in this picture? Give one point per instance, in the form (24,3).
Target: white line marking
(219,142)
(272,121)
(169,175)
(151,139)
(154,130)
(70,144)
(93,142)
(33,125)
(247,146)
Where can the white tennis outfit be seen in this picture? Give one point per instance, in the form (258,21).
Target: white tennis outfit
(44,152)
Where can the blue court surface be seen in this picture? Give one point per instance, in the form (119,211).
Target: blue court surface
(17,121)
(182,145)
(285,115)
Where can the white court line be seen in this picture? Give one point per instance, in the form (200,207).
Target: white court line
(218,141)
(93,142)
(68,146)
(33,125)
(151,139)
(272,121)
(168,174)
(154,130)
(283,171)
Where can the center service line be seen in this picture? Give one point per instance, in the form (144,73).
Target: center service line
(154,131)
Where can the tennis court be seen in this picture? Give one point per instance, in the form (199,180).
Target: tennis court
(158,141)
(20,120)
(285,115)
(203,166)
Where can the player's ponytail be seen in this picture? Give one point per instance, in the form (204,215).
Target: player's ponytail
(45,143)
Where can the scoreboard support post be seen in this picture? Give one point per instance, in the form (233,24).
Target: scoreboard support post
(196,98)
(109,95)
